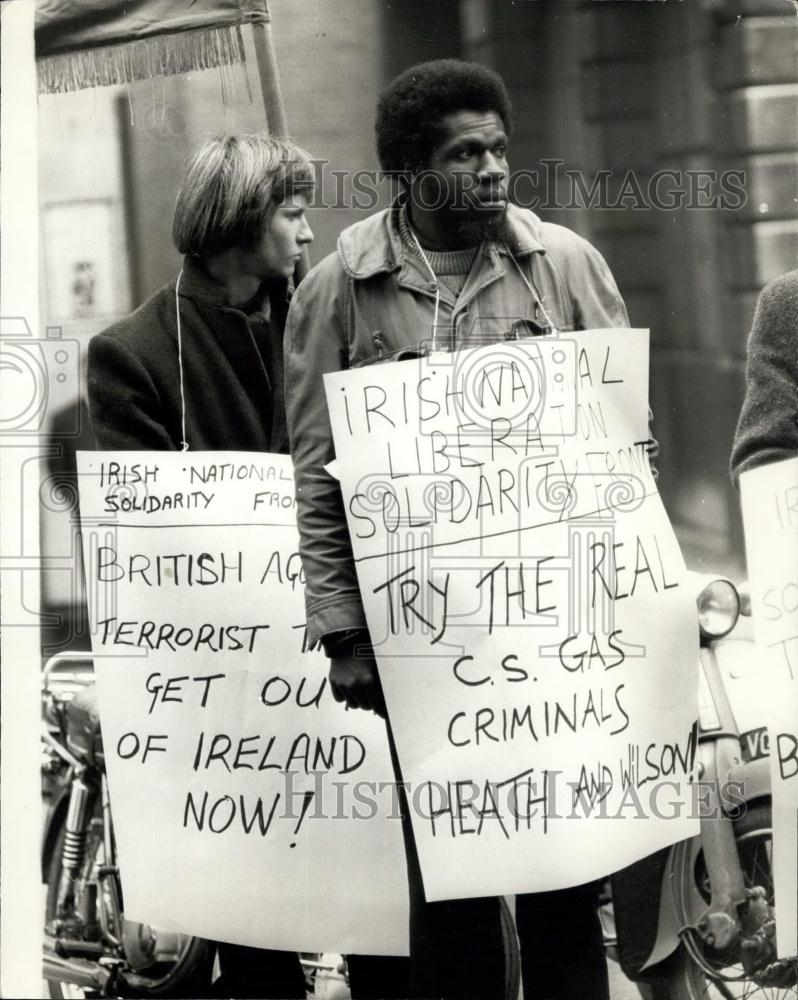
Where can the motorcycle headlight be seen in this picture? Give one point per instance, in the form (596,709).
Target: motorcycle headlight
(744,592)
(718,609)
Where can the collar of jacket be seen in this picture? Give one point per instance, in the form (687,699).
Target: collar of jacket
(197,284)
(374,246)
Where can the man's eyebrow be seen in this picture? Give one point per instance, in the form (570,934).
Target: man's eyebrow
(476,140)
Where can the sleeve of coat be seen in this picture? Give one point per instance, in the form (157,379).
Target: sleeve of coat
(315,343)
(767,430)
(124,407)
(599,305)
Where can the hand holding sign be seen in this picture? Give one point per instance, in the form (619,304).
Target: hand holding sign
(354,680)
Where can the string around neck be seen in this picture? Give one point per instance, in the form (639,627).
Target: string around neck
(552,329)
(533,291)
(435,281)
(183,441)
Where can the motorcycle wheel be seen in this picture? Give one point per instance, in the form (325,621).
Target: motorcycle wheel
(681,977)
(187,973)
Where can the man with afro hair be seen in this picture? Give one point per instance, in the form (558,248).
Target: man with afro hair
(450,255)
(410,112)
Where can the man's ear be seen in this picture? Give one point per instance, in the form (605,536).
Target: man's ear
(409,172)
(405,177)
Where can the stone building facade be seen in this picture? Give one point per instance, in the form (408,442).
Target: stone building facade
(667,133)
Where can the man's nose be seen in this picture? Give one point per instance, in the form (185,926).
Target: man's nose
(491,166)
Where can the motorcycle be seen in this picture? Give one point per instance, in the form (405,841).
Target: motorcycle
(90,949)
(88,943)
(697,920)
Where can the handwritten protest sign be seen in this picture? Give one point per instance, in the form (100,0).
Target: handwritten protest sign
(232,770)
(525,595)
(770,515)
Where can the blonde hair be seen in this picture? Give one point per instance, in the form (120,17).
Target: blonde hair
(231,187)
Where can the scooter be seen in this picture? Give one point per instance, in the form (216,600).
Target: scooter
(697,920)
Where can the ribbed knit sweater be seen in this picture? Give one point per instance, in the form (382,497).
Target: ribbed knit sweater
(450,267)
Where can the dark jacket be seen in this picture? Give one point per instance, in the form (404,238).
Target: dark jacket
(768,427)
(370,302)
(231,399)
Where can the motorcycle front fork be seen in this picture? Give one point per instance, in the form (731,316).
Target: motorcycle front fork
(101,886)
(737,915)
(108,876)
(718,754)
(75,840)
(719,926)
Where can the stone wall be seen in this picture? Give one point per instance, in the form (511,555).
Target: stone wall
(698,90)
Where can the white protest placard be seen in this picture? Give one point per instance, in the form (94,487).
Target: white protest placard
(770,516)
(526,598)
(234,775)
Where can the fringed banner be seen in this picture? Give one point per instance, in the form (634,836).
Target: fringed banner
(97,43)
(162,55)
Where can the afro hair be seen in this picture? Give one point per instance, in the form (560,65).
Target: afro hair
(411,109)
